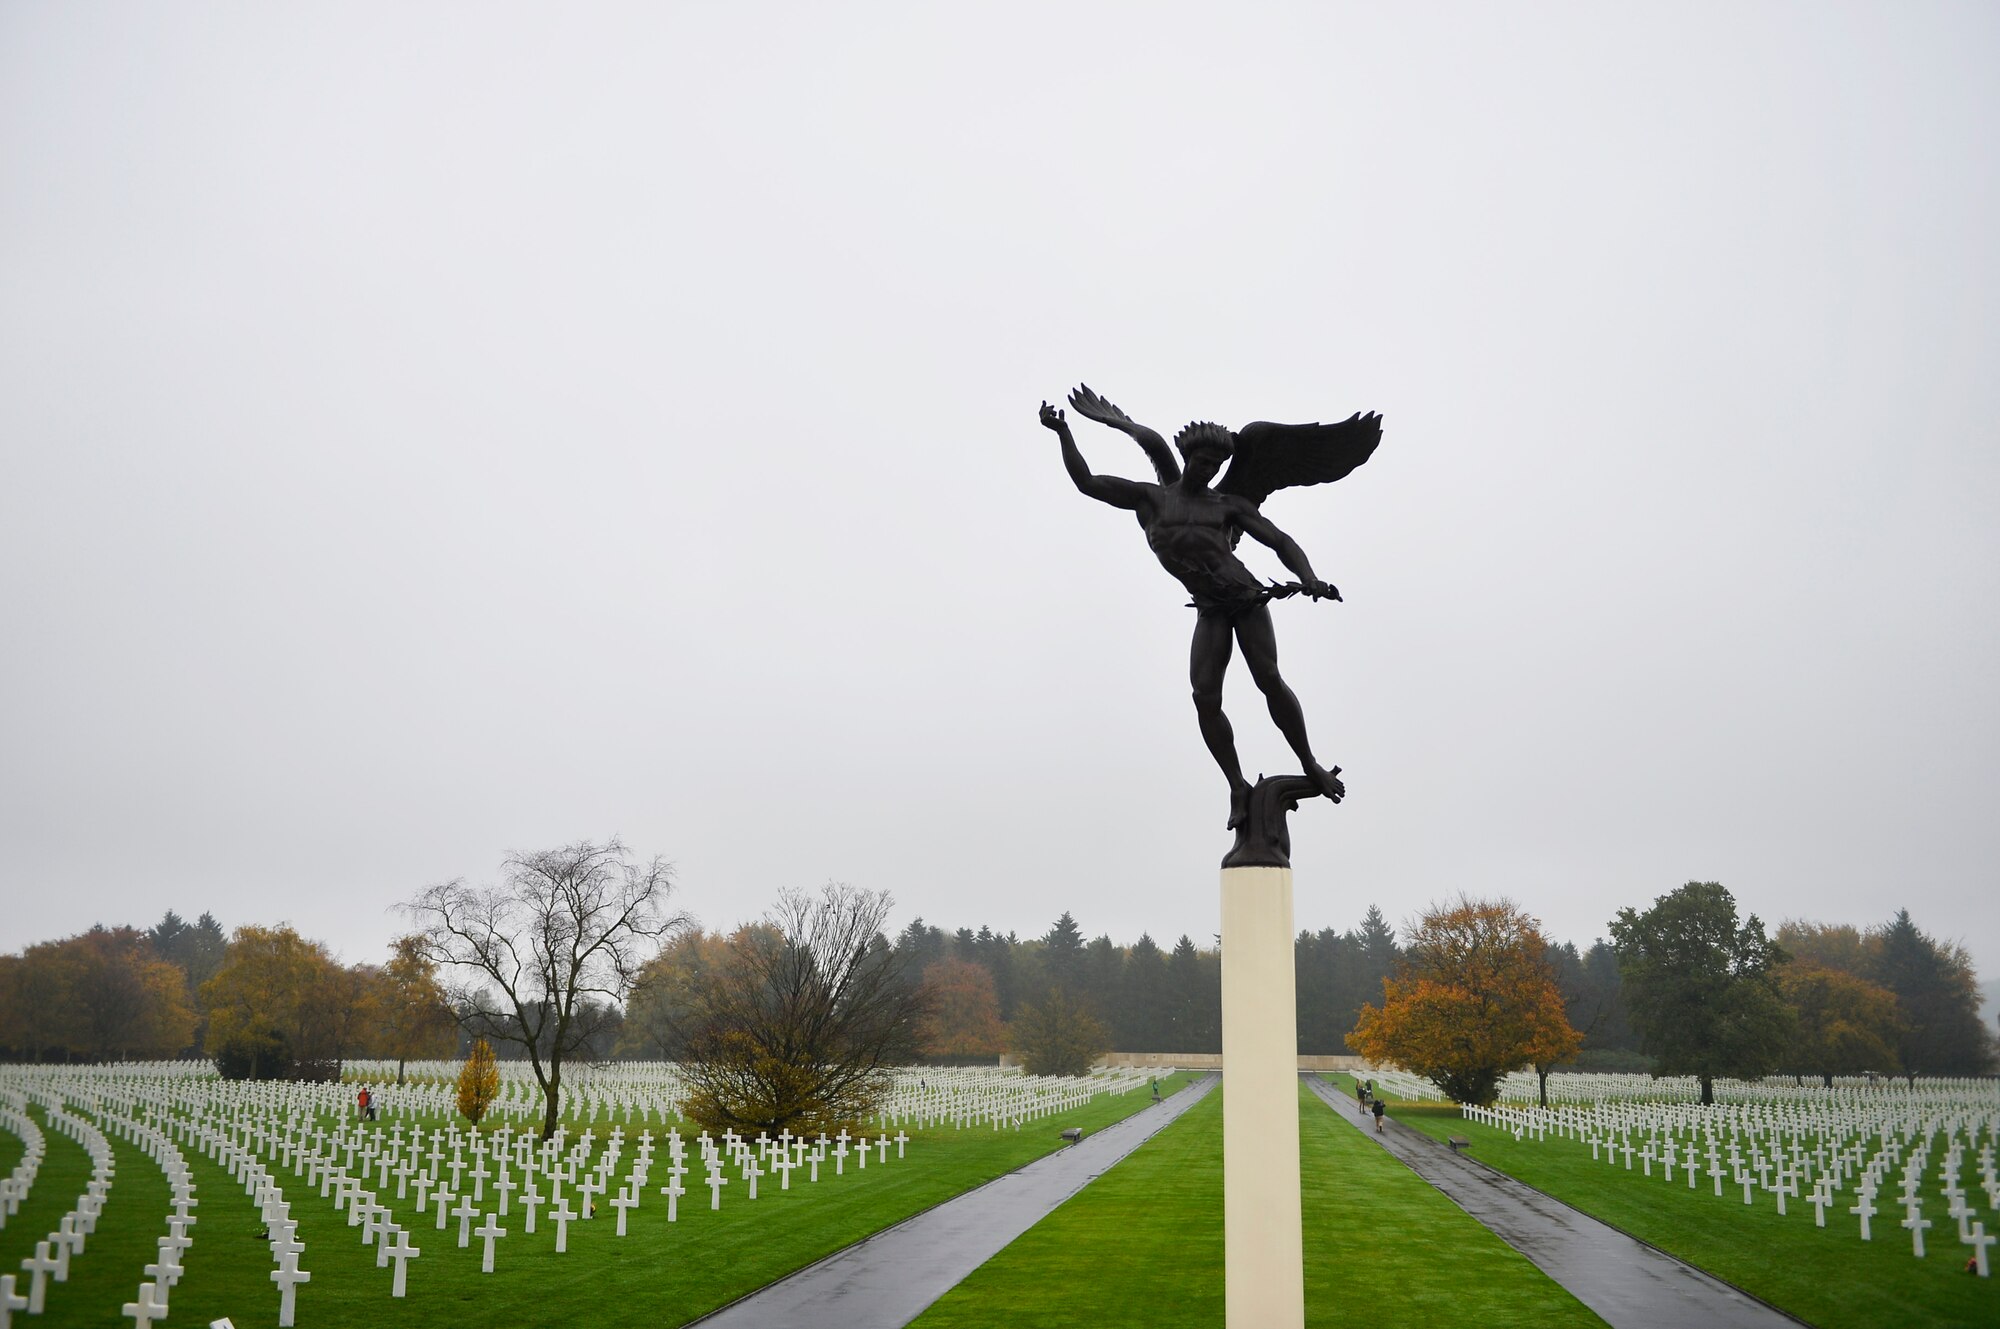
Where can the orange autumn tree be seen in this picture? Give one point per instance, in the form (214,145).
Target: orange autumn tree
(1846,1024)
(964,1018)
(1474,998)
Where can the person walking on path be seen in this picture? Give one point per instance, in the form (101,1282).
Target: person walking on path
(1380,1110)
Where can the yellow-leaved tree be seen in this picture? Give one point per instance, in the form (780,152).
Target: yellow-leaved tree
(1473,998)
(478,1082)
(281,1005)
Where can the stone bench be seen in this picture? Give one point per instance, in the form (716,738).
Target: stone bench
(1458,1142)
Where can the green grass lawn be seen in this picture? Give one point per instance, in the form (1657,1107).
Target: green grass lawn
(1828,1277)
(659,1275)
(1143,1245)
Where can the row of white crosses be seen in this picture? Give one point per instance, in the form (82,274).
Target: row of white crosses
(258,1131)
(53,1254)
(1001,1099)
(14,1188)
(50,1261)
(1401,1085)
(1588,1087)
(15,1119)
(168,1265)
(649,1093)
(1789,1142)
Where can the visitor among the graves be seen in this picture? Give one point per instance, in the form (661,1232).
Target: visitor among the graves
(1380,1110)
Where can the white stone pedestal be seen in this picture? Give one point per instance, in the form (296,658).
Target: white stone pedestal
(1263,1242)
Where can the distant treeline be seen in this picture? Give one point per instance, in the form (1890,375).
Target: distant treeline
(264,998)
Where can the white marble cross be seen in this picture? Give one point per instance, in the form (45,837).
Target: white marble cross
(488,1232)
(288,1276)
(1960,1211)
(1916,1223)
(1979,1241)
(564,1216)
(10,1301)
(145,1310)
(530,1200)
(165,1271)
(39,1266)
(622,1202)
(465,1211)
(503,1187)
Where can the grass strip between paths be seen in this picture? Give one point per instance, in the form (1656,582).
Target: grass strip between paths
(1143,1245)
(1825,1276)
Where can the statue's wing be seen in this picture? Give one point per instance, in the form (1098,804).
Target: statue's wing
(1094,407)
(1270,457)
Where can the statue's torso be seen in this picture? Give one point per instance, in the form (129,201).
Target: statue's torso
(1190,533)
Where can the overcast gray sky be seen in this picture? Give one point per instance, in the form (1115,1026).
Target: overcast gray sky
(433,430)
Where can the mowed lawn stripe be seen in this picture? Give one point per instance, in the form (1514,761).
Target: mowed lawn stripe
(1143,1245)
(1826,1276)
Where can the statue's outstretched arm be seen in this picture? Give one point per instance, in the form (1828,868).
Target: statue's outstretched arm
(1118,492)
(1261,529)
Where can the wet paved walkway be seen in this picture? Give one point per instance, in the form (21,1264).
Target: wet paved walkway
(890,1278)
(1630,1284)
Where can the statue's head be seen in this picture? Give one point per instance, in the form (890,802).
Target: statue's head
(1205,447)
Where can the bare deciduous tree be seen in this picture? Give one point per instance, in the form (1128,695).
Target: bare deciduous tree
(803,1021)
(551,949)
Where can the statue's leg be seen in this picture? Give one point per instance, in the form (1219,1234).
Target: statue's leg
(1259,640)
(1208,660)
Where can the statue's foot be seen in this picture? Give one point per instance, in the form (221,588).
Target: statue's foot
(1239,805)
(1328,782)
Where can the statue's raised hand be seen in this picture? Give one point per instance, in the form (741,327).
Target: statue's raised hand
(1053,418)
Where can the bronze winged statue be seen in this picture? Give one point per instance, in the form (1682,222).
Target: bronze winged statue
(1193,521)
